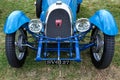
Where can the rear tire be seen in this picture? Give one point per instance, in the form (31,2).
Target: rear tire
(78,8)
(15,52)
(103,51)
(38,8)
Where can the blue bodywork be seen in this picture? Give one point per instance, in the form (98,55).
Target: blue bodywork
(105,22)
(71,3)
(101,19)
(14,21)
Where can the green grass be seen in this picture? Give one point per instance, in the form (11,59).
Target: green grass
(75,71)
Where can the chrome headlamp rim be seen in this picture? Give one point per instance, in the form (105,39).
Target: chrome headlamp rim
(82,25)
(35,26)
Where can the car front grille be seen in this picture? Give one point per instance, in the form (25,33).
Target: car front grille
(58,24)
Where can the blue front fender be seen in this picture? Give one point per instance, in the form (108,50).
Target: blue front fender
(14,21)
(105,22)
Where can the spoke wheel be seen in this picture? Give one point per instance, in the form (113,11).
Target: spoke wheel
(15,51)
(103,50)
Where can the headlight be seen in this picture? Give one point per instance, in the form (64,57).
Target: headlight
(82,25)
(35,26)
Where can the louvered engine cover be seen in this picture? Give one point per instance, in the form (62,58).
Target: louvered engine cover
(58,24)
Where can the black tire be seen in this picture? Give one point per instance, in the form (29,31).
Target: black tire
(16,54)
(38,8)
(78,8)
(102,53)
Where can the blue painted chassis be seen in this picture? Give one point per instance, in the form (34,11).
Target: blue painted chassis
(72,39)
(102,19)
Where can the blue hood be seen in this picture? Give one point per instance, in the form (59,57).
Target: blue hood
(71,3)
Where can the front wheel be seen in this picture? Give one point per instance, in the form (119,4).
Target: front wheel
(15,51)
(103,50)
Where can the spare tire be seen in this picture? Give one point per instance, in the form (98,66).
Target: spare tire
(38,8)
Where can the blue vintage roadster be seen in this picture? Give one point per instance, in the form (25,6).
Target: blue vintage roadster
(56,31)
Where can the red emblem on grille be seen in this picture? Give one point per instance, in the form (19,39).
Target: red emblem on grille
(58,22)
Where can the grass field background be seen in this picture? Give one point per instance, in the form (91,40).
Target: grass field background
(75,71)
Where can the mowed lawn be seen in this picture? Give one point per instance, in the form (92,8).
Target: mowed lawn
(75,71)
